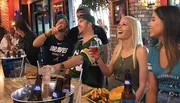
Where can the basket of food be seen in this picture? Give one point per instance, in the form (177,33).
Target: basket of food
(102,95)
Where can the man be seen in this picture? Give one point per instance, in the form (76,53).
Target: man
(26,40)
(56,49)
(92,75)
(99,31)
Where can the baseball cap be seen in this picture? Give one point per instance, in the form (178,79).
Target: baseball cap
(88,17)
(84,9)
(62,16)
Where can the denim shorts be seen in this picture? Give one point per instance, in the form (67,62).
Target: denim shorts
(166,98)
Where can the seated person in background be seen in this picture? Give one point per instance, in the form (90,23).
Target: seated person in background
(97,30)
(26,40)
(91,75)
(15,39)
(164,59)
(56,49)
(129,53)
(4,42)
(2,33)
(7,43)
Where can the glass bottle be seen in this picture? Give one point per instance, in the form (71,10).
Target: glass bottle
(8,54)
(37,89)
(14,54)
(128,94)
(66,85)
(41,61)
(57,93)
(19,53)
(66,89)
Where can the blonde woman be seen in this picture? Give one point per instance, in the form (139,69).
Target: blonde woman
(128,54)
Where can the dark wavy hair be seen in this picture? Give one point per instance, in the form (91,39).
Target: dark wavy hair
(170,16)
(2,32)
(22,25)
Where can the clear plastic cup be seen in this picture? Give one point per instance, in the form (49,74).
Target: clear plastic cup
(46,72)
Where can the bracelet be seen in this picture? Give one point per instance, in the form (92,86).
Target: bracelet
(98,58)
(45,35)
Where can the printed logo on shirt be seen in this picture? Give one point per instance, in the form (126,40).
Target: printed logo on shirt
(58,49)
(171,80)
(79,67)
(98,40)
(76,52)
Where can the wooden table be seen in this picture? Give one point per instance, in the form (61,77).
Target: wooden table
(9,85)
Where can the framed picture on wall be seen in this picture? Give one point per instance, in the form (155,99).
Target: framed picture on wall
(119,9)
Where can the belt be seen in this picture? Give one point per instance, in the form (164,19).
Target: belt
(175,94)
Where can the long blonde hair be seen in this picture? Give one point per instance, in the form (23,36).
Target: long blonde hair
(136,38)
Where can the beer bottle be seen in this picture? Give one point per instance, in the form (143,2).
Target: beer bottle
(66,85)
(37,89)
(8,54)
(19,53)
(128,94)
(14,54)
(41,61)
(57,93)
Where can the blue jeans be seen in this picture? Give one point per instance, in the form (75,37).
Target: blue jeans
(165,98)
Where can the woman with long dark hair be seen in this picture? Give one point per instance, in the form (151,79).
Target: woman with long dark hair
(26,40)
(164,59)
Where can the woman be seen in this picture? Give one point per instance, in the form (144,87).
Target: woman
(164,59)
(128,54)
(26,40)
(2,34)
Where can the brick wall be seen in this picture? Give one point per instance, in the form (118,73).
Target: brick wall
(4,14)
(143,14)
(139,12)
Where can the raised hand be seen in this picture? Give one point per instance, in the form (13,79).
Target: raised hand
(52,31)
(94,52)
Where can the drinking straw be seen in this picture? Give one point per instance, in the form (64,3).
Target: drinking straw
(22,65)
(80,87)
(80,77)
(38,67)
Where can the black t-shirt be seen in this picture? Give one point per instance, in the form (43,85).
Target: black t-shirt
(26,43)
(99,31)
(56,51)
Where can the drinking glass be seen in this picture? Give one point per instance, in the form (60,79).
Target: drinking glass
(46,72)
(94,49)
(27,88)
